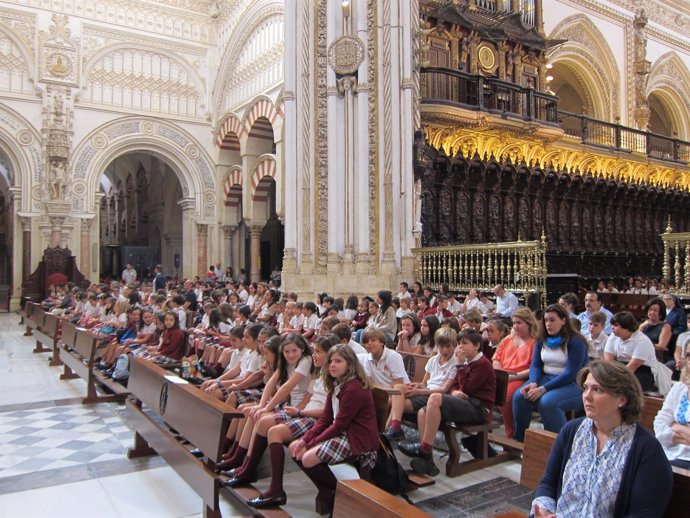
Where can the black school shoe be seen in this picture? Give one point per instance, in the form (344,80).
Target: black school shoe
(394,435)
(424,466)
(268,501)
(412,449)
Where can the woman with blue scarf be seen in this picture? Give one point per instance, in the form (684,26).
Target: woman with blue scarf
(559,353)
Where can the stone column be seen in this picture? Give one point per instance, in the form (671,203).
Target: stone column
(255,267)
(84,255)
(26,248)
(202,240)
(189,232)
(228,232)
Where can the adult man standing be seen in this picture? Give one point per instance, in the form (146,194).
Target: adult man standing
(592,304)
(159,279)
(129,274)
(190,297)
(506,302)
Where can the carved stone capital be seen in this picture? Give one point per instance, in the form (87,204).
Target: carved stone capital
(255,231)
(229,230)
(202,230)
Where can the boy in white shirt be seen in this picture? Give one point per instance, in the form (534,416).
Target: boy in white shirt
(384,366)
(414,396)
(596,340)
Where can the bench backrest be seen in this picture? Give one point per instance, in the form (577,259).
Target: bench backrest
(50,325)
(29,308)
(85,343)
(414,365)
(680,498)
(200,419)
(650,408)
(69,333)
(38,316)
(502,378)
(538,445)
(360,498)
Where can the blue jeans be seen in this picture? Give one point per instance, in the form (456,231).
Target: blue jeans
(552,406)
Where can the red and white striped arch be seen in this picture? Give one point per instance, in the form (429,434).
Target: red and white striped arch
(232,187)
(266,167)
(262,108)
(228,135)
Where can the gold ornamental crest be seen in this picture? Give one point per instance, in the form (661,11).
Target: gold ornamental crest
(346,54)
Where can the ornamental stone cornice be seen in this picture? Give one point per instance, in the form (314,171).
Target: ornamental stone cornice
(163,17)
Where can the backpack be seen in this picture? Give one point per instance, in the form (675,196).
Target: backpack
(388,474)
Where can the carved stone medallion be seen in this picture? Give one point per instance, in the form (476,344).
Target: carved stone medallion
(346,54)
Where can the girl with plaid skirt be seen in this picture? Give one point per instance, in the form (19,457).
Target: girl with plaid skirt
(288,383)
(276,435)
(347,427)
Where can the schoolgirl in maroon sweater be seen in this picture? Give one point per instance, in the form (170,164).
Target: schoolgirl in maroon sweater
(347,427)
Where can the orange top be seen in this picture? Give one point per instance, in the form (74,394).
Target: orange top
(513,358)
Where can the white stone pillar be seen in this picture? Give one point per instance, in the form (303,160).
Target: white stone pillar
(189,265)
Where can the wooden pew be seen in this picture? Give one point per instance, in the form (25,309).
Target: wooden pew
(34,320)
(536,451)
(454,467)
(187,411)
(80,358)
(48,334)
(360,498)
(680,499)
(650,408)
(414,365)
(26,313)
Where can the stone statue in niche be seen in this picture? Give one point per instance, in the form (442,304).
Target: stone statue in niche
(58,180)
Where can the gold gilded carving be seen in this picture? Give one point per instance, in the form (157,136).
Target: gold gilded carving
(346,54)
(560,155)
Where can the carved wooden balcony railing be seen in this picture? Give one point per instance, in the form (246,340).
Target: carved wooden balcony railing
(508,100)
(474,92)
(520,266)
(677,259)
(619,138)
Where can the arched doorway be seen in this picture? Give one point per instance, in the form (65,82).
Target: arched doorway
(273,234)
(141,222)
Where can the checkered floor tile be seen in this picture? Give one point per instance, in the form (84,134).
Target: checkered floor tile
(60,437)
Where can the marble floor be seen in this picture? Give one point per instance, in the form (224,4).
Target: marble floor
(61,458)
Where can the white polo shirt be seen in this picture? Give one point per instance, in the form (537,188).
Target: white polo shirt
(637,347)
(250,362)
(439,374)
(387,369)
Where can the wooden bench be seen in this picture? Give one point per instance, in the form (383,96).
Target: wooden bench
(26,313)
(415,365)
(79,358)
(454,467)
(35,315)
(360,498)
(650,408)
(48,334)
(187,412)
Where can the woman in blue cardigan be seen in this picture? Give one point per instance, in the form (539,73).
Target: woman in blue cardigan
(605,464)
